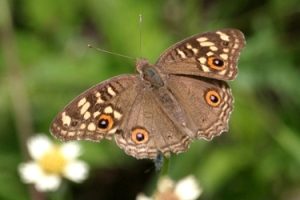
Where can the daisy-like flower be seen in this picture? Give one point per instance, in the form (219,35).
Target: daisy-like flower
(51,162)
(185,189)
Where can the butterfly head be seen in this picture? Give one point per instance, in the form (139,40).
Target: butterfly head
(149,73)
(140,64)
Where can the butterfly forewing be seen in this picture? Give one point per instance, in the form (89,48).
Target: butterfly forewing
(211,54)
(97,112)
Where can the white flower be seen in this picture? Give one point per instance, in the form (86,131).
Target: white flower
(185,189)
(51,162)
(188,188)
(143,197)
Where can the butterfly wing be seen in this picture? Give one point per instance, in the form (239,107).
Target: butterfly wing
(208,103)
(97,112)
(165,120)
(124,108)
(148,131)
(211,54)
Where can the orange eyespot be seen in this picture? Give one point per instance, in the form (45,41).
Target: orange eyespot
(139,135)
(105,122)
(216,63)
(213,98)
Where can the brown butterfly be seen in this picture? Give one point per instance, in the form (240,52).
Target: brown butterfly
(160,110)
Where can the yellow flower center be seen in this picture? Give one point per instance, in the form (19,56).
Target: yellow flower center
(53,162)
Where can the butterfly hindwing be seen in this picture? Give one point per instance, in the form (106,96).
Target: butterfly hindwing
(148,131)
(207,103)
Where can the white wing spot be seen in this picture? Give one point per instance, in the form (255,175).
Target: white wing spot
(91,127)
(108,109)
(213,48)
(205,68)
(181,53)
(222,72)
(96,114)
(206,44)
(189,46)
(84,108)
(223,36)
(224,56)
(82,126)
(111,91)
(236,46)
(226,50)
(230,73)
(81,102)
(225,106)
(99,99)
(113,130)
(225,98)
(117,115)
(202,39)
(87,115)
(66,119)
(202,60)
(209,53)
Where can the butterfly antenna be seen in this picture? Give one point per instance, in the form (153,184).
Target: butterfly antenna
(140,32)
(109,52)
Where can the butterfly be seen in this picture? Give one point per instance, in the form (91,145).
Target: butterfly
(165,106)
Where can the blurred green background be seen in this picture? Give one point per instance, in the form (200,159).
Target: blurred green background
(45,63)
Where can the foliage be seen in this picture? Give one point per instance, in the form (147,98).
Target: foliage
(258,159)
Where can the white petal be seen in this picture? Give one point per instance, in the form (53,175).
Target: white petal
(165,184)
(143,197)
(70,150)
(76,171)
(30,172)
(48,183)
(38,145)
(188,189)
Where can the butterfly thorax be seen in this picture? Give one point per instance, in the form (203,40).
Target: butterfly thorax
(149,73)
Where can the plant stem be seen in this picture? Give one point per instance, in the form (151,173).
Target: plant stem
(165,167)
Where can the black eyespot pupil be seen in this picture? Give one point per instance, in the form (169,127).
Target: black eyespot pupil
(103,123)
(214,99)
(140,137)
(218,62)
